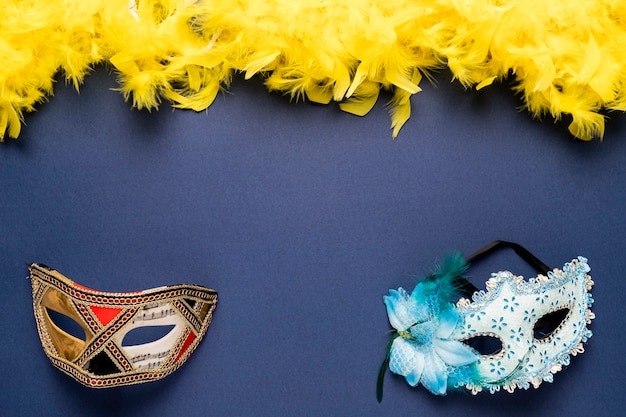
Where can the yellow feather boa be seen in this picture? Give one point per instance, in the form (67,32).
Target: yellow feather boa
(567,56)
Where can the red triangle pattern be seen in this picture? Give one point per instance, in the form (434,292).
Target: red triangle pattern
(186,344)
(105,314)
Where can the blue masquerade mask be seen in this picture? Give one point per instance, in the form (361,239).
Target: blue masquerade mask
(515,334)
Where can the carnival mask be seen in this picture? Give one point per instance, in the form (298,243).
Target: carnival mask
(106,356)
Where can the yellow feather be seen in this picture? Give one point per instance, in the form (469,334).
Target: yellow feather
(363,100)
(586,125)
(320,94)
(198,101)
(400,106)
(486,82)
(9,121)
(260,61)
(400,109)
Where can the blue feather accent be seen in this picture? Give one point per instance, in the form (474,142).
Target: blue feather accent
(421,350)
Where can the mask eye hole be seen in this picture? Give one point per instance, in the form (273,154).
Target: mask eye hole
(66,324)
(485,345)
(146,334)
(549,323)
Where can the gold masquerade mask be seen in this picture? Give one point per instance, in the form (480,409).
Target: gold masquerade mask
(107,356)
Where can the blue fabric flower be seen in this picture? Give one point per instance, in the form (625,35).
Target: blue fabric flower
(422,350)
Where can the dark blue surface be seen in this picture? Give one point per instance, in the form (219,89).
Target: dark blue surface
(301,217)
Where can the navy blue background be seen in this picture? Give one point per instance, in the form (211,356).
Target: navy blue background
(301,217)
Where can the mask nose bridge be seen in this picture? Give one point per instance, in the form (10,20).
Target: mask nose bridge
(520,338)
